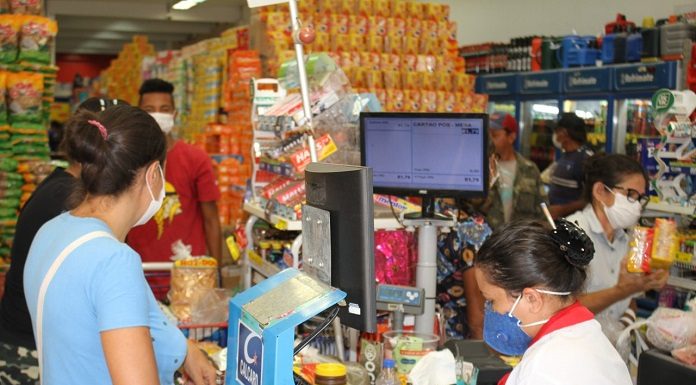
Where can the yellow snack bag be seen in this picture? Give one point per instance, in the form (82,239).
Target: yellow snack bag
(25,92)
(36,35)
(639,250)
(9,37)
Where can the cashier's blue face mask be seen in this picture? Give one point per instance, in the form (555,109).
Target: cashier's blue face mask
(503,332)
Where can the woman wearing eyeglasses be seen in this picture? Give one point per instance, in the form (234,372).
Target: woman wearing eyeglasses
(615,187)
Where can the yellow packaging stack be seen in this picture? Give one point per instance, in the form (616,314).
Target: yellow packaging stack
(404,52)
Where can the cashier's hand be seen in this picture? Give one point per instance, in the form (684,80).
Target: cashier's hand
(632,283)
(198,368)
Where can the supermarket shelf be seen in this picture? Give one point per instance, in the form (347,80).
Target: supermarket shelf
(683,283)
(281,223)
(262,266)
(670,208)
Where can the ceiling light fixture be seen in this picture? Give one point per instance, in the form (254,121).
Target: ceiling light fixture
(183,5)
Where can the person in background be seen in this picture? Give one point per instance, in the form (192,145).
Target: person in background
(565,192)
(17,345)
(516,191)
(615,188)
(190,211)
(95,319)
(531,275)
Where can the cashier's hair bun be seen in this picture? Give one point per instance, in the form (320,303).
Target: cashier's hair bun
(112,146)
(576,246)
(526,253)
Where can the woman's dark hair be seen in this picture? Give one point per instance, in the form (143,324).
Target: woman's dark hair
(574,126)
(528,253)
(95,104)
(111,158)
(609,169)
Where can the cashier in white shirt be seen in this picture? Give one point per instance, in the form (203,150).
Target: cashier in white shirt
(615,188)
(530,275)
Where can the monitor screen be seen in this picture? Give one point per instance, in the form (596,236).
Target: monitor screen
(435,154)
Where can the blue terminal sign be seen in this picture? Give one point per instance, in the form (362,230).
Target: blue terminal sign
(540,83)
(587,80)
(497,84)
(634,77)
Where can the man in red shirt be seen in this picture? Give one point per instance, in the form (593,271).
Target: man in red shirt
(189,212)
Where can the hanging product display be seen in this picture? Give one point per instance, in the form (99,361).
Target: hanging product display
(27,85)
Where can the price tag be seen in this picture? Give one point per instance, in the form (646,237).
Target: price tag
(282,224)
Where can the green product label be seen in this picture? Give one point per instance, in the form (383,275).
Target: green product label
(663,100)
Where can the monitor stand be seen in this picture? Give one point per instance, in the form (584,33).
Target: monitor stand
(427,222)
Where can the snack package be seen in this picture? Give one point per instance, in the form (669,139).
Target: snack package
(411,45)
(365,7)
(665,243)
(414,9)
(191,278)
(396,26)
(346,7)
(375,43)
(357,42)
(375,79)
(640,250)
(378,25)
(429,101)
(359,24)
(26,7)
(395,100)
(25,94)
(36,35)
(412,101)
(382,8)
(399,9)
(411,80)
(339,24)
(9,38)
(392,80)
(3,98)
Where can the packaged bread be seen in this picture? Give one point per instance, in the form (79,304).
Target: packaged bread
(191,278)
(665,243)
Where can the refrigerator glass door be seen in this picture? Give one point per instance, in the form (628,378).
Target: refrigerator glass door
(594,113)
(634,121)
(538,120)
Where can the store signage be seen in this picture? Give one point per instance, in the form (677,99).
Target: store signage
(540,83)
(496,84)
(663,100)
(587,80)
(262,3)
(249,356)
(645,76)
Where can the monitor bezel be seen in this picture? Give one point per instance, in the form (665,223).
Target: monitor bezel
(401,191)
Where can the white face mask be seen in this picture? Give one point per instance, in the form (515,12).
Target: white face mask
(155,203)
(556,143)
(517,301)
(165,121)
(623,214)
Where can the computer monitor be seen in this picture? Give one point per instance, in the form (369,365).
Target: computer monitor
(426,154)
(342,195)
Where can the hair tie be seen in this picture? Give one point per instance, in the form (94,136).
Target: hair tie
(101,128)
(576,246)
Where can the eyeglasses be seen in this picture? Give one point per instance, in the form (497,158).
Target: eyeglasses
(634,196)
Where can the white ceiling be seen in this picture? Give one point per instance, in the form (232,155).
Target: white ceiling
(103,26)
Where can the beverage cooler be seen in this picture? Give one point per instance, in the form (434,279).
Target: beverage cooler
(587,93)
(634,85)
(539,109)
(502,94)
